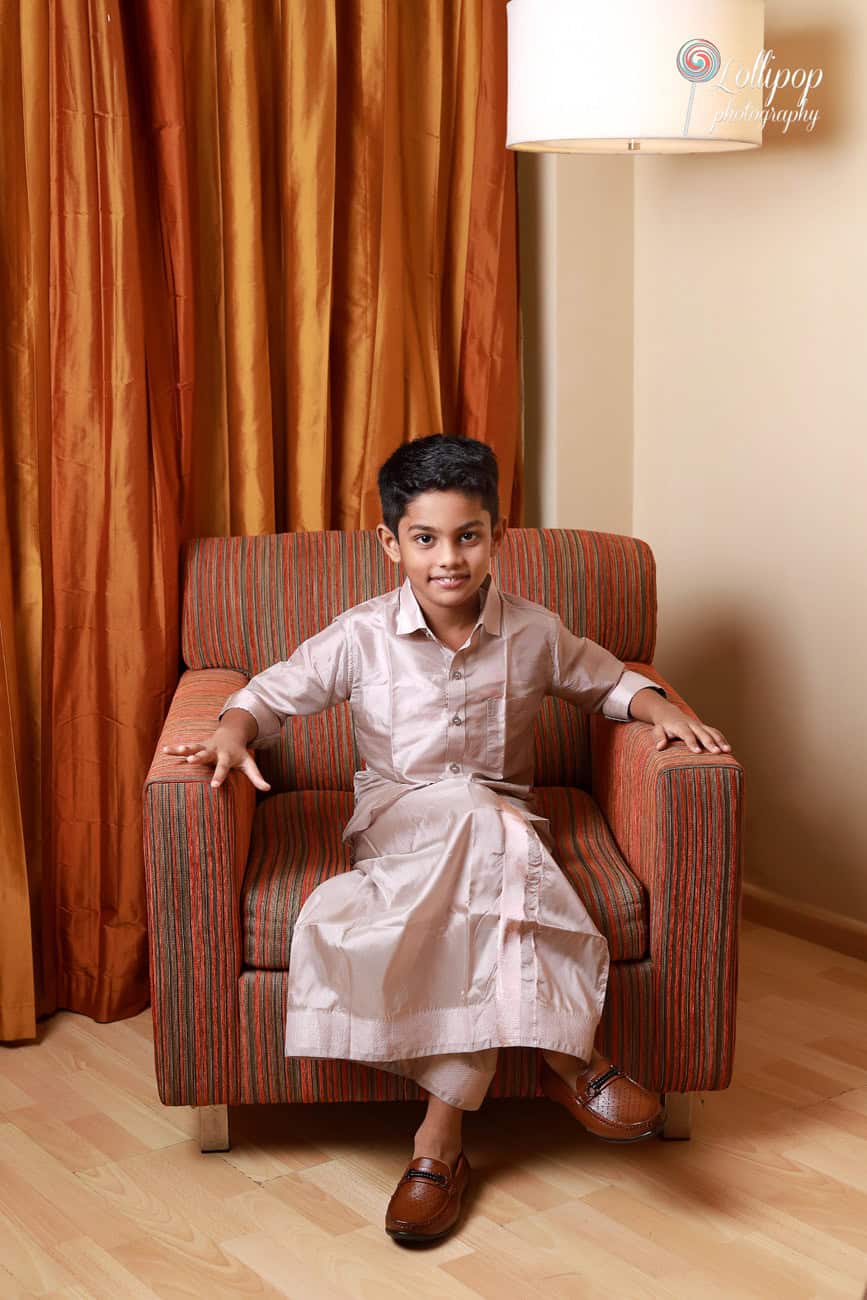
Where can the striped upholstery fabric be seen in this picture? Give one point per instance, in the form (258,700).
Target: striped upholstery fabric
(660,875)
(196,844)
(249,601)
(296,844)
(678,818)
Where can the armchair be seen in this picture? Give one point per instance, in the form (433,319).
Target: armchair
(650,838)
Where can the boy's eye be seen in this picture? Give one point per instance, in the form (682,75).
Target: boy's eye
(420,537)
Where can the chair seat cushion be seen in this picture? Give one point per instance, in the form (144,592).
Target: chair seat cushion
(296,844)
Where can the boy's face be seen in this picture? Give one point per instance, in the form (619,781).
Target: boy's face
(445,535)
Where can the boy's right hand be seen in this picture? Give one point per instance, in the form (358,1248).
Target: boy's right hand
(223,750)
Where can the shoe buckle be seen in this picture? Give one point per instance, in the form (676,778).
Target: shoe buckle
(427,1173)
(596,1085)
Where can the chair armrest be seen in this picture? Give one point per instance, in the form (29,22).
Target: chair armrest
(678,820)
(196,843)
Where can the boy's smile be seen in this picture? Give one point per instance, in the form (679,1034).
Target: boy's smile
(445,542)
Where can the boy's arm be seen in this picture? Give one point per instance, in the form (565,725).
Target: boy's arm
(598,682)
(316,675)
(593,678)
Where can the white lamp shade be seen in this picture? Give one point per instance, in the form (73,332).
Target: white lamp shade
(624,76)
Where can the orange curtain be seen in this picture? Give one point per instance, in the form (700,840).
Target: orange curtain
(247,248)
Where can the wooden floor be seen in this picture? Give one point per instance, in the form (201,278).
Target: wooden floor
(103,1192)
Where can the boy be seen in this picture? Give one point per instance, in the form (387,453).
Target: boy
(455,933)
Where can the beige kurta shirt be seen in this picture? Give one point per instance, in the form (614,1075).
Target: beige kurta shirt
(455,930)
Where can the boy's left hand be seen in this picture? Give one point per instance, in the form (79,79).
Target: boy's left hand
(671,723)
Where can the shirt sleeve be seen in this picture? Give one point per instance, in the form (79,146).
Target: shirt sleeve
(593,678)
(317,675)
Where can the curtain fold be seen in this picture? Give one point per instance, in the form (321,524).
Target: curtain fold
(247,248)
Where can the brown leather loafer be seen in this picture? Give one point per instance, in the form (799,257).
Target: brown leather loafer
(427,1200)
(606,1101)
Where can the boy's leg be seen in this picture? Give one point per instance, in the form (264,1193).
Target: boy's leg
(460,1079)
(427,1199)
(568,1067)
(440,1133)
(455,1082)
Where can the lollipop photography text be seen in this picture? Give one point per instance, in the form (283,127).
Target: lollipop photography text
(738,77)
(700,63)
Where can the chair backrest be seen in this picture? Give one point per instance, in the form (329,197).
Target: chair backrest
(249,601)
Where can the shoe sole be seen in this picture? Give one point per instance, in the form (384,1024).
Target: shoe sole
(619,1142)
(406,1234)
(397,1235)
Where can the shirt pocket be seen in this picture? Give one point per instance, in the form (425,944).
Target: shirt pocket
(510,727)
(521,714)
(372,719)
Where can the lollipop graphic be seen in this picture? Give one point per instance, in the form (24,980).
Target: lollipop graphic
(697,61)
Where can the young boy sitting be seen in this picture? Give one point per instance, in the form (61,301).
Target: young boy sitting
(455,932)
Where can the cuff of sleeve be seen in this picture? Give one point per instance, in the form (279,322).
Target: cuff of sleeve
(616,703)
(267,722)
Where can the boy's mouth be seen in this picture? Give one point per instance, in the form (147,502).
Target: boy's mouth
(449,583)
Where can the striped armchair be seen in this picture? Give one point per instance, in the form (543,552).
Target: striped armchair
(651,839)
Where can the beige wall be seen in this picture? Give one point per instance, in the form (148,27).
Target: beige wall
(578,340)
(743,463)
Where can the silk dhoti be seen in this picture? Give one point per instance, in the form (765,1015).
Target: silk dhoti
(455,932)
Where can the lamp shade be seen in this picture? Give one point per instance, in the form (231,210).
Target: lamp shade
(630,76)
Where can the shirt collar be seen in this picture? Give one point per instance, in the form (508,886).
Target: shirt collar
(410,616)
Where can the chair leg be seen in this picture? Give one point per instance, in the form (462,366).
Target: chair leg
(213,1128)
(678,1123)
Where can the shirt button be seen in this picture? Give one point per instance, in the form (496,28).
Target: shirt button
(457,676)
(454,767)
(457,720)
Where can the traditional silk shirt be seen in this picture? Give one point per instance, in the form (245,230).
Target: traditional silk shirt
(423,711)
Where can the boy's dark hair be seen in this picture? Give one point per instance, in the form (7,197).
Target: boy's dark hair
(437,463)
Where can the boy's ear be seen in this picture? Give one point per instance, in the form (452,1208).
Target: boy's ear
(499,531)
(388,542)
